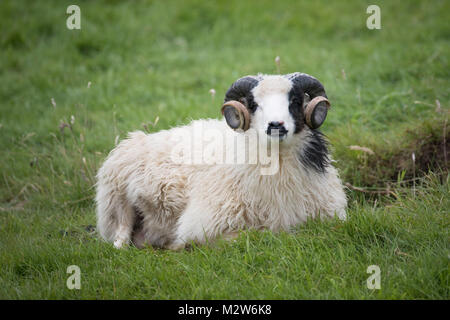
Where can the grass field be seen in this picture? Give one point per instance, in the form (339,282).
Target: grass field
(66,97)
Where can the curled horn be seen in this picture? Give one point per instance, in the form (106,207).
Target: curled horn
(237,101)
(236,115)
(316,110)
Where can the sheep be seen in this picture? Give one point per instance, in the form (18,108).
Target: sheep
(151,191)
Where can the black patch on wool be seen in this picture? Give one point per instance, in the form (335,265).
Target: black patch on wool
(296,96)
(314,152)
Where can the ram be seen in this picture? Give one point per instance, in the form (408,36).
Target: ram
(146,196)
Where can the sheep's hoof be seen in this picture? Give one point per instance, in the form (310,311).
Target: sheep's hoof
(119,243)
(231,236)
(176,246)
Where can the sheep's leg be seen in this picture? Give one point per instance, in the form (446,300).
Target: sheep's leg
(115,217)
(179,244)
(197,223)
(126,218)
(341,214)
(194,224)
(231,236)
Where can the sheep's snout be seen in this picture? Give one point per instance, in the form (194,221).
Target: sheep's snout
(277,129)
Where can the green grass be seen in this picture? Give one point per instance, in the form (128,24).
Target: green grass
(160,58)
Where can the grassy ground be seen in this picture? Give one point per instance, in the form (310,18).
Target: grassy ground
(67,96)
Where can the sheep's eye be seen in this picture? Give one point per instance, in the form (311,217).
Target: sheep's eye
(253,106)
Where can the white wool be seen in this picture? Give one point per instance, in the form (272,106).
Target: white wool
(179,203)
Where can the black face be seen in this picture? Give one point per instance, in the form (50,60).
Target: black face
(296,97)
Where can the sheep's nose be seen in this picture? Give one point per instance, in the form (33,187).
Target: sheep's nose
(276,125)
